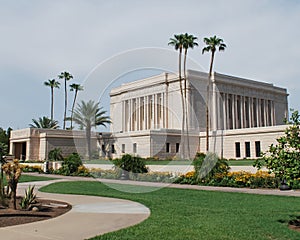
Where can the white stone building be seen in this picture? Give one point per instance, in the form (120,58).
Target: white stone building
(245,117)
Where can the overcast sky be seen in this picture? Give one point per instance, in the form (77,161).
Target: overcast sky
(41,38)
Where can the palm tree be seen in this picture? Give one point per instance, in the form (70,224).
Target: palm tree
(189,41)
(44,122)
(178,42)
(212,44)
(66,76)
(88,115)
(74,87)
(52,83)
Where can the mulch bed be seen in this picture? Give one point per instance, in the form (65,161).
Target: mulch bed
(46,209)
(295,225)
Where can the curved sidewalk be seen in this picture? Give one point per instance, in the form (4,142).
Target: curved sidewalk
(89,216)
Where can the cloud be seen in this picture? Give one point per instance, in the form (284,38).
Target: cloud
(42,38)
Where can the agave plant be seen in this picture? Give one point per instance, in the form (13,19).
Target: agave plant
(29,198)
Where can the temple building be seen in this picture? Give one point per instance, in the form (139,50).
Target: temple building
(245,118)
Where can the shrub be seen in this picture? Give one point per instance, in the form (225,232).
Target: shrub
(82,171)
(207,166)
(27,168)
(131,164)
(70,165)
(283,159)
(55,155)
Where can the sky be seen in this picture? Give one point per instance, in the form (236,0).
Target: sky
(41,38)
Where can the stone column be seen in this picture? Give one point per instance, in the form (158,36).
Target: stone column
(145,113)
(242,115)
(258,112)
(234,111)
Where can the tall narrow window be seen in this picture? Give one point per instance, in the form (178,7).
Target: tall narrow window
(113,150)
(134,148)
(237,150)
(177,147)
(167,147)
(247,149)
(257,149)
(123,148)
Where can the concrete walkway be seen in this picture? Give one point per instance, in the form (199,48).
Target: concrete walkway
(90,216)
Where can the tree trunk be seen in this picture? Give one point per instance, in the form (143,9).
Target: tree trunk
(183,108)
(52,104)
(186,107)
(73,105)
(66,103)
(88,141)
(207,99)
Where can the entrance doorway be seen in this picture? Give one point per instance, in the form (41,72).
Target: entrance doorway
(20,150)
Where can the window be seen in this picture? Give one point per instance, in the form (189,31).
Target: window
(123,148)
(237,150)
(247,149)
(177,147)
(257,149)
(134,147)
(113,150)
(167,147)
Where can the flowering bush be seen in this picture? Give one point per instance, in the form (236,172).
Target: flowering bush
(27,168)
(260,179)
(147,177)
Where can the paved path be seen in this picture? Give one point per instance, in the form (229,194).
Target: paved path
(90,216)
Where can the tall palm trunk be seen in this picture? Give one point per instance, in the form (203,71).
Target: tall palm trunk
(52,102)
(186,105)
(66,103)
(183,107)
(73,105)
(207,99)
(88,140)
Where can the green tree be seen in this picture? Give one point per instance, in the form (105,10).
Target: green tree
(76,88)
(66,77)
(212,45)
(44,122)
(189,41)
(178,42)
(52,83)
(88,115)
(283,159)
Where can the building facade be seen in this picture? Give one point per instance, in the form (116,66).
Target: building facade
(245,117)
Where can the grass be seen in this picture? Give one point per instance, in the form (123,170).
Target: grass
(28,178)
(192,214)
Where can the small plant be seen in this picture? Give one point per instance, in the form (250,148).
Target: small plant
(28,199)
(55,155)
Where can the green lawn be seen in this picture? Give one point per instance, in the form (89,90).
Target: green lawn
(192,214)
(28,178)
